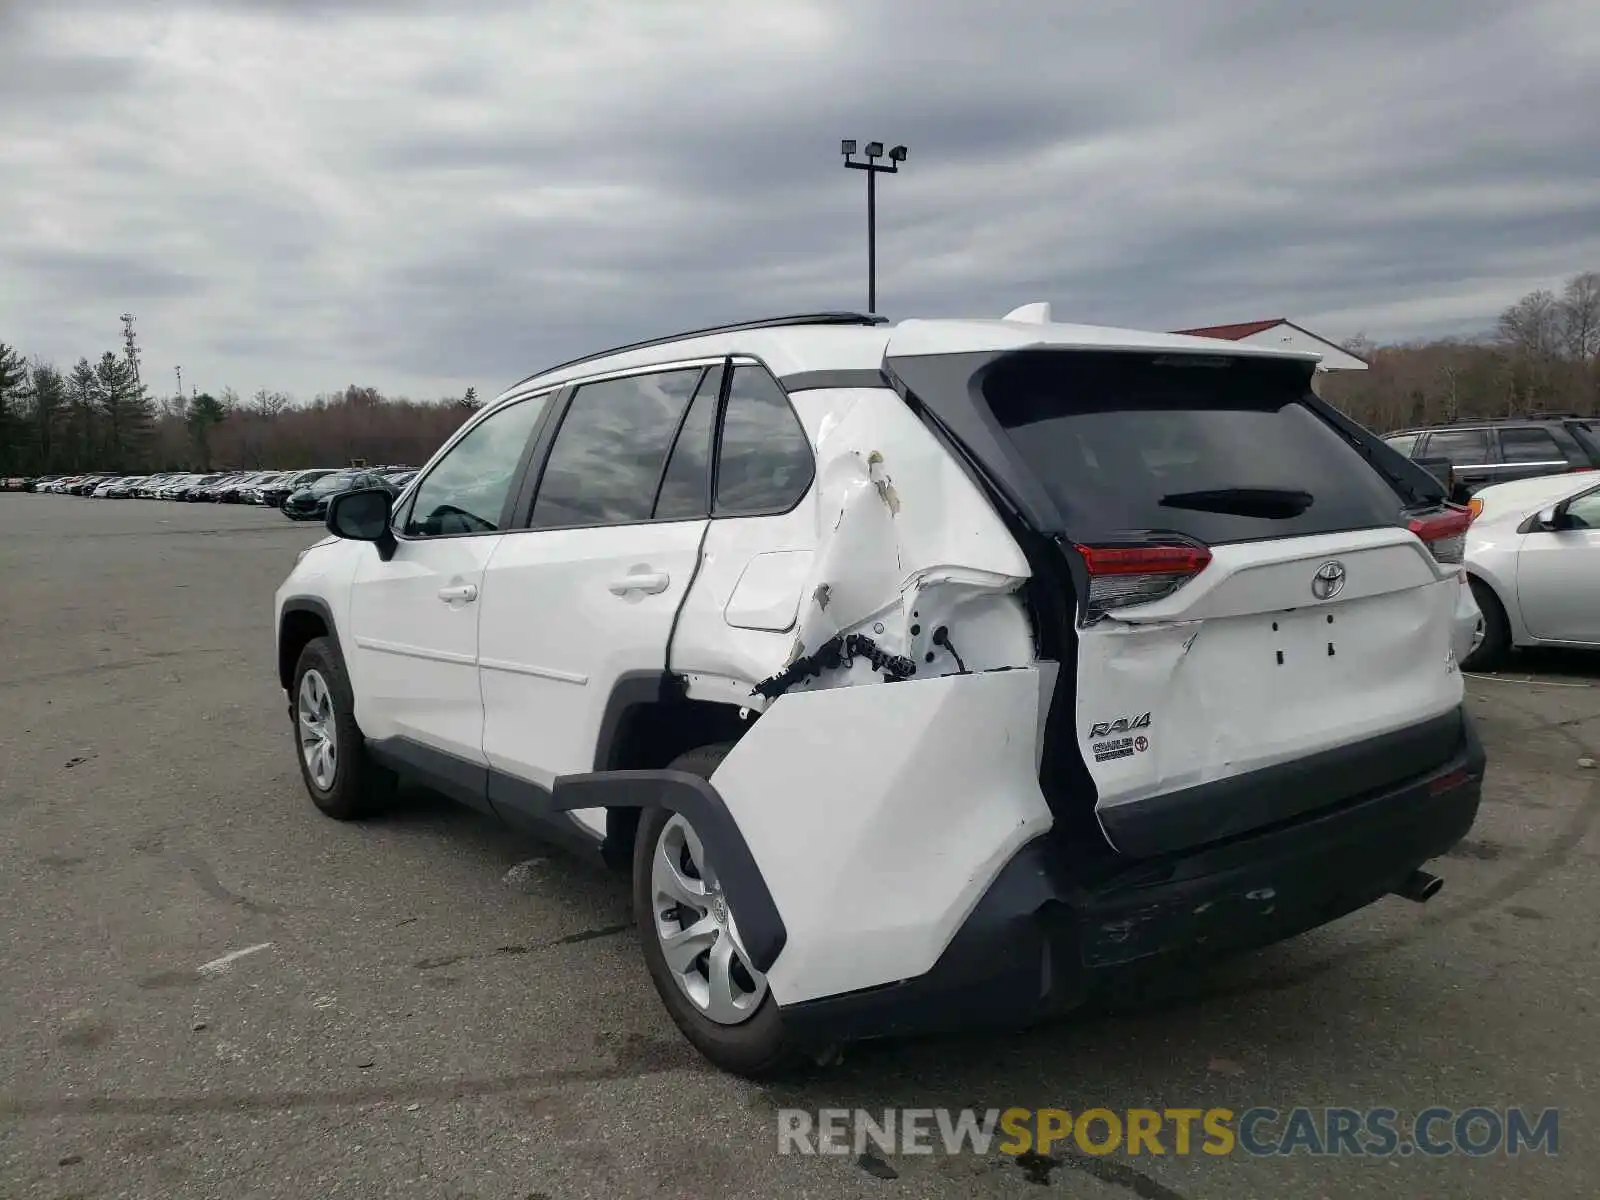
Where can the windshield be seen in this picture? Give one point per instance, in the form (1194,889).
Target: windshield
(334,483)
(1221,453)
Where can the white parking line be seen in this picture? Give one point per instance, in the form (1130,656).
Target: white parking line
(1530,680)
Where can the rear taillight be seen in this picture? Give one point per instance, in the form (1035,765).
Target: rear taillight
(1121,576)
(1444,533)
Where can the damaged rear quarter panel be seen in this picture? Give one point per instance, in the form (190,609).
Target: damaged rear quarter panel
(878,816)
(901,543)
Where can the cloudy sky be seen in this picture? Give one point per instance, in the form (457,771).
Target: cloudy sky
(419,196)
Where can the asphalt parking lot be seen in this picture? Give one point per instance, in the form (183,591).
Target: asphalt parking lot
(433,1008)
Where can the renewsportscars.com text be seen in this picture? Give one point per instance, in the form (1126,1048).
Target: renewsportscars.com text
(1259,1131)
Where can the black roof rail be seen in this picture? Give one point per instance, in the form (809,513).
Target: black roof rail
(816,318)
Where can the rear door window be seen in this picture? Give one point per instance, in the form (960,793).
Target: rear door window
(765,463)
(608,456)
(1530,445)
(685,491)
(1218,450)
(1463,447)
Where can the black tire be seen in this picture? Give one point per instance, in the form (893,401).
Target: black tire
(755,1049)
(360,787)
(1496,644)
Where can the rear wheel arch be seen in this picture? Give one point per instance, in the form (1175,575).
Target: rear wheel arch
(648,722)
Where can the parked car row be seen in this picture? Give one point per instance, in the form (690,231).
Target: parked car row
(1473,454)
(301,495)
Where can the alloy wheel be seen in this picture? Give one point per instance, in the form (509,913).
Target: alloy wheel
(698,936)
(319,737)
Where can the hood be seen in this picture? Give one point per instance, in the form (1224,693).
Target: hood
(327,541)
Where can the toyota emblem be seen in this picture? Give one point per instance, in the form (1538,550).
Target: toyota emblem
(1328,582)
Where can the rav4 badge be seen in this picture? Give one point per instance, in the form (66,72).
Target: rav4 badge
(1120,725)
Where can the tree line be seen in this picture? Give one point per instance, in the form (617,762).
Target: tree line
(101,416)
(1543,355)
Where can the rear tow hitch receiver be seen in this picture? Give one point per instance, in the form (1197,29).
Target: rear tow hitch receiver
(1420,887)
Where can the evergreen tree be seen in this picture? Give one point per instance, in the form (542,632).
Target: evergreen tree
(204,414)
(49,394)
(126,412)
(13,380)
(82,422)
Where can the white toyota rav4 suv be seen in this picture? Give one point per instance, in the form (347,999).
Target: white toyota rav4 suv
(920,673)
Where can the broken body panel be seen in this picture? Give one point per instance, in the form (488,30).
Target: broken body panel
(891,552)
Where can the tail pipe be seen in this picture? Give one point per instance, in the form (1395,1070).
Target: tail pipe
(1420,887)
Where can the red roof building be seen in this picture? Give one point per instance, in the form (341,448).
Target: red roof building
(1281,332)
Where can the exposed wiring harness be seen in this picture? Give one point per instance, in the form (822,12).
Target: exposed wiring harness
(838,651)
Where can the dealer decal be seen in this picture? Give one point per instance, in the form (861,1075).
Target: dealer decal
(1115,748)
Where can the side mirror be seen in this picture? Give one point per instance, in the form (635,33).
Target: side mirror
(1550,518)
(363,516)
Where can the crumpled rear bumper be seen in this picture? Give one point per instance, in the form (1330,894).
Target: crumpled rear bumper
(1037,943)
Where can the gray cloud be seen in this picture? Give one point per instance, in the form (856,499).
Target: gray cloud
(305,193)
(117,278)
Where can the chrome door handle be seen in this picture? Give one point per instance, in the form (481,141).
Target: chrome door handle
(649,582)
(459,591)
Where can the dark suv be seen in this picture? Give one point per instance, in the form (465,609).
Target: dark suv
(1501,449)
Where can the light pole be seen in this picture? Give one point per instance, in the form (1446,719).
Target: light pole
(872,167)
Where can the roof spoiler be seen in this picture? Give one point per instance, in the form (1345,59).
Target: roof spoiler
(1037,313)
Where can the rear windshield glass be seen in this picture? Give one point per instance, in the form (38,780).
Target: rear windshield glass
(1222,453)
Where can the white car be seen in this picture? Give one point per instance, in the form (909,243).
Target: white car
(1533,561)
(919,673)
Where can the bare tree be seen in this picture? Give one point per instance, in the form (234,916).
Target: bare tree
(1580,316)
(268,404)
(1533,325)
(1361,346)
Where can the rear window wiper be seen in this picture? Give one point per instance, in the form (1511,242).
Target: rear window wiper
(1271,503)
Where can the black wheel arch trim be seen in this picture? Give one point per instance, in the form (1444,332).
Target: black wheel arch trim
(631,690)
(761,926)
(318,608)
